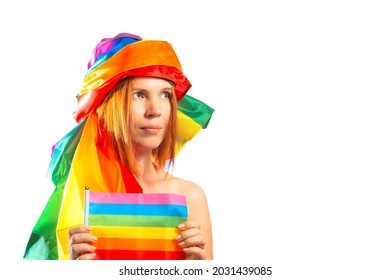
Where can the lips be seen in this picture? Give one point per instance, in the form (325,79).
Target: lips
(151,129)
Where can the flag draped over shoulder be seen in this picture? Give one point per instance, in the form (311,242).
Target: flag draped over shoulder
(84,156)
(136,226)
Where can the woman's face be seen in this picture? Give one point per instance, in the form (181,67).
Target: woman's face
(151,108)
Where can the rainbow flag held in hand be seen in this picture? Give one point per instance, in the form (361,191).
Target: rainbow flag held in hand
(135,226)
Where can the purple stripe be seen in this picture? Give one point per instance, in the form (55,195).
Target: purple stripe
(137,198)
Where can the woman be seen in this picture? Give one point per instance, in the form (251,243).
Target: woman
(130,129)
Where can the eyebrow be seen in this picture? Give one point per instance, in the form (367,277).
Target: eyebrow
(143,89)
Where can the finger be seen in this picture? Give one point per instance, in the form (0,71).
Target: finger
(90,256)
(81,229)
(82,238)
(196,252)
(189,224)
(193,241)
(185,234)
(77,250)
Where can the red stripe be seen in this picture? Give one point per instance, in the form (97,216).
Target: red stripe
(89,101)
(138,255)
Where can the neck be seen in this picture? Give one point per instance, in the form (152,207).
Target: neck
(145,164)
(149,173)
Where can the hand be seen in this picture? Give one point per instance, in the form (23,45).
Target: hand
(191,240)
(80,241)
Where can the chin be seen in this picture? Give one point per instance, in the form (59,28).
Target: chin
(148,145)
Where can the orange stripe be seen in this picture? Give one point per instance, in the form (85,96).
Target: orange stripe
(132,56)
(137,244)
(135,232)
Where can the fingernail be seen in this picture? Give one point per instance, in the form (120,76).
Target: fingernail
(181,244)
(93,248)
(93,255)
(94,238)
(186,249)
(178,237)
(89,228)
(181,226)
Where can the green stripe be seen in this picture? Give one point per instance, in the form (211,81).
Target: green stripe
(135,221)
(196,110)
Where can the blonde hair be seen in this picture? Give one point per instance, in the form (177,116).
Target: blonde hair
(115,117)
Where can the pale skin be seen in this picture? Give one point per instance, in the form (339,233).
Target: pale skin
(151,111)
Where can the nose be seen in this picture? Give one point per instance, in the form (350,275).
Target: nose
(153,108)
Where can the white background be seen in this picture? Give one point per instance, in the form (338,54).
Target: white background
(295,161)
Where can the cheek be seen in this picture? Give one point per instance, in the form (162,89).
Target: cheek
(167,113)
(137,111)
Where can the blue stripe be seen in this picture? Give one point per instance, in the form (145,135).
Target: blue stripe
(138,209)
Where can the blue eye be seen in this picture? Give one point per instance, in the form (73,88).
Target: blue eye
(137,94)
(166,94)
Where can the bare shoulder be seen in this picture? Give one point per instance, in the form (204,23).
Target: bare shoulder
(195,195)
(186,187)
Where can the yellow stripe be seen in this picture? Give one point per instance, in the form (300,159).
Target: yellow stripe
(187,129)
(135,232)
